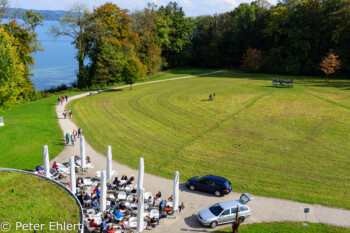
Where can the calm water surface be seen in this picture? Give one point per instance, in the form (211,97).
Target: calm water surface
(57,65)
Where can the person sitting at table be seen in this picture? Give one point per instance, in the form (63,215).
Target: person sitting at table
(39,168)
(110,219)
(54,165)
(156,197)
(118,215)
(93,224)
(168,209)
(88,160)
(113,203)
(76,160)
(163,215)
(98,192)
(170,199)
(134,200)
(55,172)
(86,196)
(103,225)
(154,222)
(116,182)
(124,177)
(150,200)
(128,182)
(122,205)
(110,230)
(127,211)
(161,206)
(94,202)
(133,190)
(97,186)
(79,182)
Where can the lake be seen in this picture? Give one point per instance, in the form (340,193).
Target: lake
(57,64)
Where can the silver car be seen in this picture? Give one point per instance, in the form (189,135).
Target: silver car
(225,212)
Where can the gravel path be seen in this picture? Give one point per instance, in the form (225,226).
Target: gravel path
(263,209)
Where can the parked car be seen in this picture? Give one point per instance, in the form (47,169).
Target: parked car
(212,184)
(225,212)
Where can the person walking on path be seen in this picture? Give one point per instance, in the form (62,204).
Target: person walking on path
(62,101)
(65,114)
(66,98)
(75,134)
(80,132)
(67,138)
(70,113)
(58,101)
(72,139)
(181,207)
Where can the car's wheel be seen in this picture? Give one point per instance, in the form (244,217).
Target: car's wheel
(192,187)
(213,224)
(217,193)
(241,219)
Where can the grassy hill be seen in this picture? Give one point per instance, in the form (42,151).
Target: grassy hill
(28,199)
(290,143)
(28,127)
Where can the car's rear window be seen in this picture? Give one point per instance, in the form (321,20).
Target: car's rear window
(216,209)
(227,184)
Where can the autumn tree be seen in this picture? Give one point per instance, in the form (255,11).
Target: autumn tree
(330,63)
(27,43)
(113,44)
(252,60)
(12,71)
(132,71)
(77,24)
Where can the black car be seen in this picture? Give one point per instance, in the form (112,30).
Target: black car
(212,184)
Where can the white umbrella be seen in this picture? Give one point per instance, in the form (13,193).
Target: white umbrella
(141,174)
(140,210)
(82,152)
(109,163)
(46,161)
(176,192)
(73,185)
(103,197)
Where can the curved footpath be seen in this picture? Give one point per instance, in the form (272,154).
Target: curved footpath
(263,209)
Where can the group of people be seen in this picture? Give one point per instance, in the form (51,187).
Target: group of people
(73,137)
(60,100)
(123,182)
(117,210)
(70,112)
(212,97)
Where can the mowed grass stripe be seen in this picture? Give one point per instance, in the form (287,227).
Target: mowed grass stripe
(280,142)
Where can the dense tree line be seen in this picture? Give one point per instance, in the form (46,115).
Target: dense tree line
(115,45)
(291,37)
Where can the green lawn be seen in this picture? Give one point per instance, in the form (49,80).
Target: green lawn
(34,200)
(287,227)
(28,127)
(289,143)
